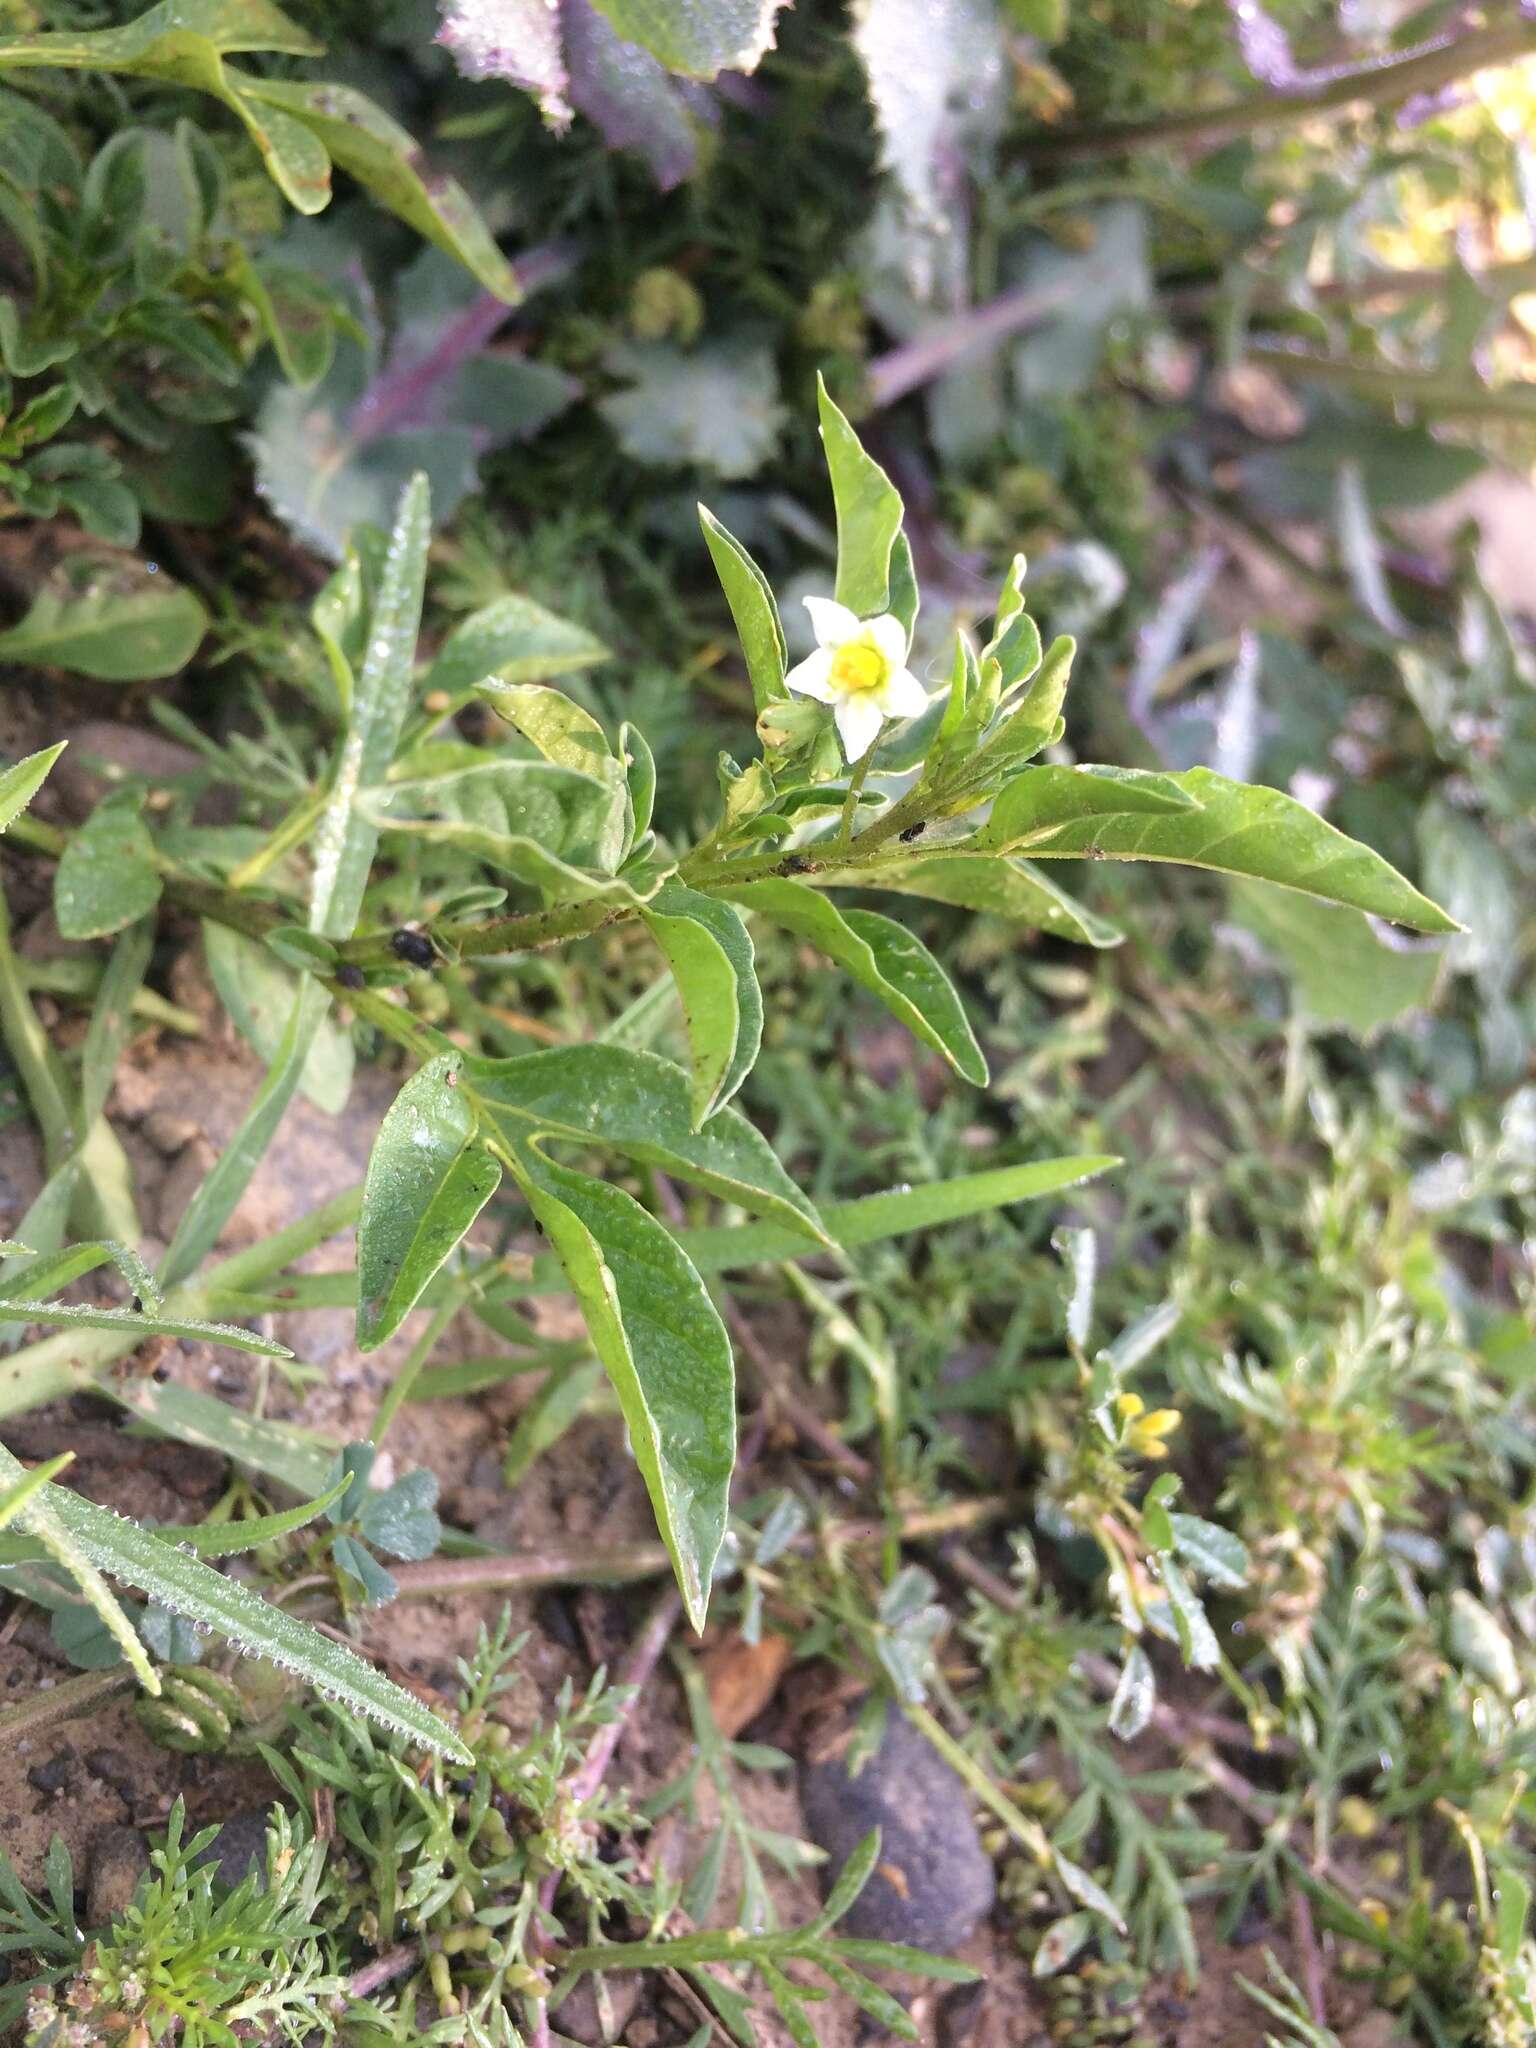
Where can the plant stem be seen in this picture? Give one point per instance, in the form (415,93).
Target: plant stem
(649,1560)
(1428,390)
(948,343)
(62,1702)
(1387,84)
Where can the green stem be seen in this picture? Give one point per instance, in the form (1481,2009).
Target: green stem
(1428,390)
(61,1702)
(1421,71)
(851,802)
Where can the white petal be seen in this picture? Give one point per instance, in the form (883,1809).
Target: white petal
(858,721)
(890,636)
(903,695)
(811,677)
(832,623)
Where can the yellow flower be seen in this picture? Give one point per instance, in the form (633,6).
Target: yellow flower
(859,668)
(1144,1433)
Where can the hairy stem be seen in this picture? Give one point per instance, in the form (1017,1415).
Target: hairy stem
(1386,84)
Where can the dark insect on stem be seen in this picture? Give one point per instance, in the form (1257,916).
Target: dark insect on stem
(799,864)
(912,832)
(413,947)
(350,975)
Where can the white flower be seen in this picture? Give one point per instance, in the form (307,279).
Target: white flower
(859,668)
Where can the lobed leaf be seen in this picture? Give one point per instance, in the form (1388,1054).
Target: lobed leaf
(697,41)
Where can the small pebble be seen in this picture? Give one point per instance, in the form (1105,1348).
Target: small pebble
(239,1847)
(52,1776)
(934,1883)
(119,1858)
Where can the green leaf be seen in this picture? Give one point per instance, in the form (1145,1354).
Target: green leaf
(194,1590)
(501,806)
(753,608)
(872,1218)
(117,636)
(384,158)
(379,1587)
(868,514)
(569,738)
(14,1495)
(715,407)
(697,41)
(1512,1906)
(516,640)
(275,1450)
(711,958)
(851,1880)
(664,1348)
(1196,1638)
(883,956)
(1061,1942)
(637,1104)
(208,1539)
(230,1539)
(639,765)
(402,1519)
(428,1178)
(1011,889)
(1135,1696)
(40,1517)
(1088,1891)
(107,878)
(348,837)
(150,43)
(1342,976)
(227,1179)
(1215,1553)
(297,311)
(69,1316)
(1239,829)
(259,994)
(21,782)
(1031,810)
